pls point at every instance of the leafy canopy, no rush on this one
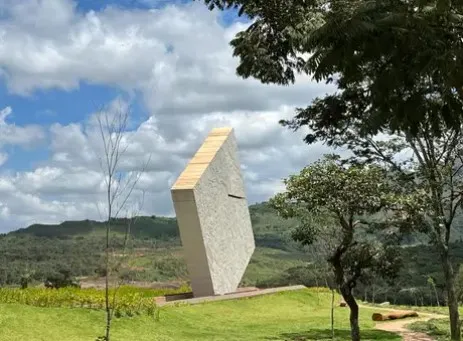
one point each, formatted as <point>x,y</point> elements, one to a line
<point>336,205</point>
<point>399,60</point>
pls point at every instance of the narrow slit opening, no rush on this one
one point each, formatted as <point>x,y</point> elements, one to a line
<point>235,196</point>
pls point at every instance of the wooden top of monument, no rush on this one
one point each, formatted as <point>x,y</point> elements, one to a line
<point>201,160</point>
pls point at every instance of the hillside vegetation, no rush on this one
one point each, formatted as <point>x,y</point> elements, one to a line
<point>156,256</point>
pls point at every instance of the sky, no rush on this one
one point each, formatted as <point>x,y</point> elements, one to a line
<point>169,64</point>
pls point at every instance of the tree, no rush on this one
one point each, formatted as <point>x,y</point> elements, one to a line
<point>119,188</point>
<point>320,250</point>
<point>328,196</point>
<point>396,65</point>
<point>432,283</point>
<point>459,284</point>
<point>60,279</point>
<point>382,48</point>
<point>428,167</point>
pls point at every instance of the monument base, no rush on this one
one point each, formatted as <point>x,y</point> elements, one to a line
<point>188,298</point>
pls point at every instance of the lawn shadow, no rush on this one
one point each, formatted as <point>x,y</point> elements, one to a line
<point>340,334</point>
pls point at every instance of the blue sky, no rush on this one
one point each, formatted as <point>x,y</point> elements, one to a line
<point>171,67</point>
<point>45,107</point>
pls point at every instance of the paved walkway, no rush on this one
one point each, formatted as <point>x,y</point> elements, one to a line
<point>251,293</point>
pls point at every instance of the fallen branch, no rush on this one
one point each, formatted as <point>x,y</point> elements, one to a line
<point>393,315</point>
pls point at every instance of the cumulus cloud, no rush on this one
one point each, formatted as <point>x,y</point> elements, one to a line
<point>24,136</point>
<point>178,58</point>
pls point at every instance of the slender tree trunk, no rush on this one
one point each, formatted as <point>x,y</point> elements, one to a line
<point>433,292</point>
<point>452,299</point>
<point>332,313</point>
<point>107,303</point>
<point>354,312</point>
<point>437,295</point>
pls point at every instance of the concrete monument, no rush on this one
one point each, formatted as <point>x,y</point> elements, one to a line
<point>213,216</point>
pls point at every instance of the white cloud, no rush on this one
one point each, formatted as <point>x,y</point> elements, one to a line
<point>12,135</point>
<point>178,58</point>
<point>3,158</point>
<point>24,136</point>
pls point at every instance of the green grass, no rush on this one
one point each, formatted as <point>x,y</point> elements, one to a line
<point>437,328</point>
<point>443,310</point>
<point>289,316</point>
<point>130,300</point>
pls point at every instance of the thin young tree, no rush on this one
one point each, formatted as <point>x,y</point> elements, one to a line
<point>430,280</point>
<point>120,185</point>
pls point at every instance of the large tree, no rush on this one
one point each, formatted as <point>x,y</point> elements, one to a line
<point>383,47</point>
<point>397,67</point>
<point>333,203</point>
<point>427,167</point>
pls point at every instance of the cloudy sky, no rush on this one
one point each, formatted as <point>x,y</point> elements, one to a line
<point>169,63</point>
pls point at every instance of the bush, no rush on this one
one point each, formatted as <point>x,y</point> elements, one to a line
<point>60,279</point>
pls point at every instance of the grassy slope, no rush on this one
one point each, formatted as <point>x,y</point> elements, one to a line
<point>300,315</point>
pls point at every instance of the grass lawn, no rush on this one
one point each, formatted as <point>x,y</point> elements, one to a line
<point>289,316</point>
<point>443,310</point>
<point>437,328</point>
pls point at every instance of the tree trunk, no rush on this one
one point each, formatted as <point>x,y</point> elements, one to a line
<point>332,313</point>
<point>437,296</point>
<point>452,300</point>
<point>354,312</point>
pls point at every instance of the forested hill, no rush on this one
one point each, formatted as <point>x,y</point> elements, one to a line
<point>155,247</point>
<point>156,254</point>
<point>269,229</point>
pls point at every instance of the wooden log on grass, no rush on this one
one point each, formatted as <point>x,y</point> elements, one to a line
<point>394,315</point>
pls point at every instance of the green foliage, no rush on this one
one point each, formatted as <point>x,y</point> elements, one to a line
<point>61,279</point>
<point>398,62</point>
<point>77,246</point>
<point>131,301</point>
<point>437,328</point>
<point>330,199</point>
<point>277,260</point>
<point>331,202</point>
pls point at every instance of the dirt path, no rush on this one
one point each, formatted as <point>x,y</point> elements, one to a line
<point>400,326</point>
